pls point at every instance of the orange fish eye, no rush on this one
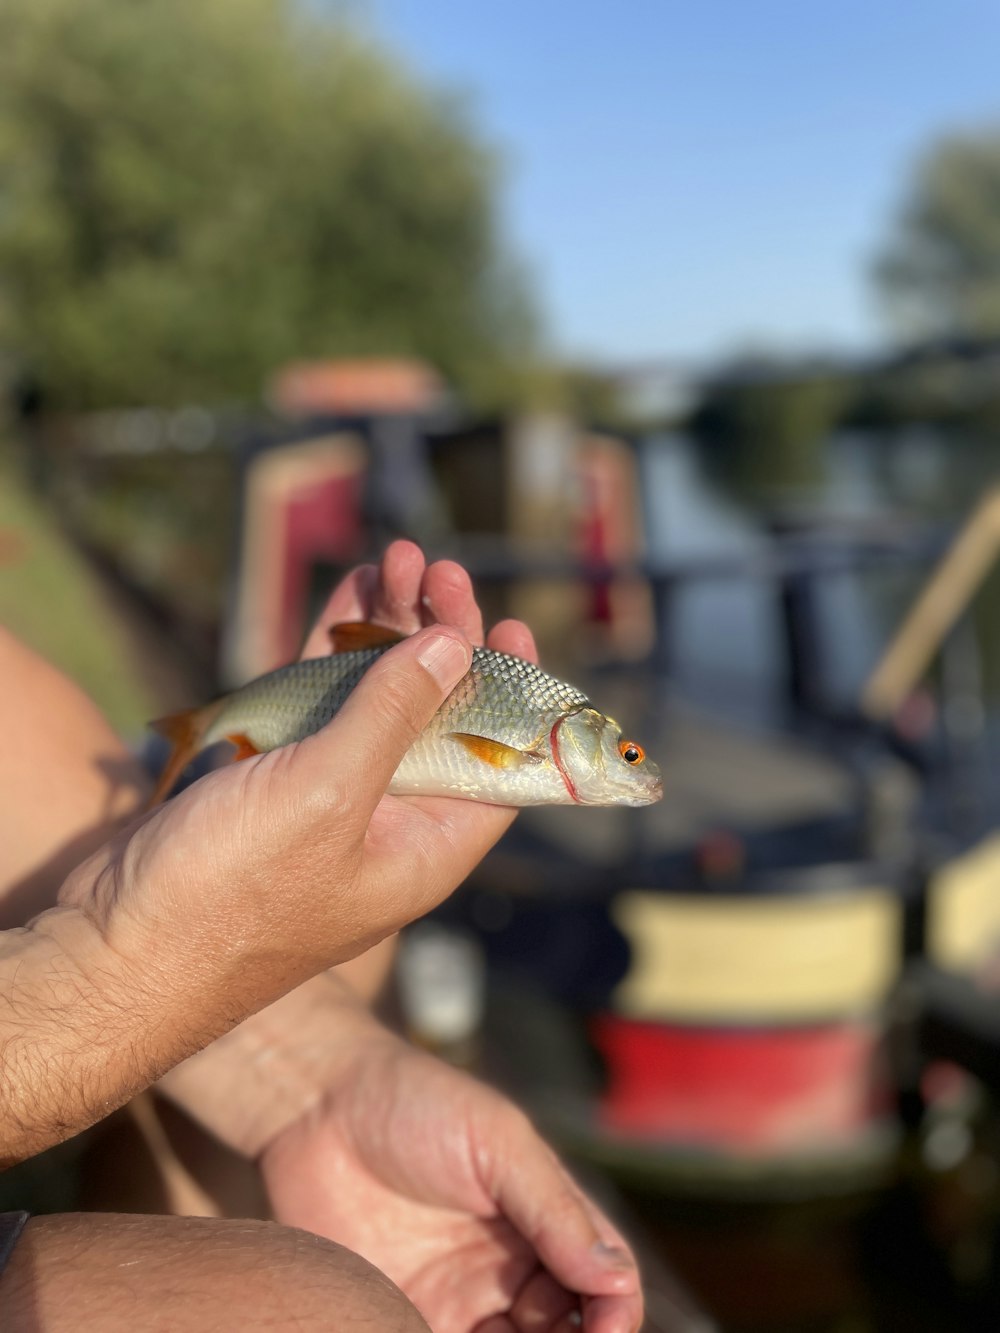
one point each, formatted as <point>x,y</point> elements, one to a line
<point>630,752</point>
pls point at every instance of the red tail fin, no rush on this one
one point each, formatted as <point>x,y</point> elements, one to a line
<point>184,731</point>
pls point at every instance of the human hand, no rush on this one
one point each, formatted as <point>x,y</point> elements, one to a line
<point>404,593</point>
<point>218,1086</point>
<point>446,1187</point>
<point>269,871</point>
<point>266,872</point>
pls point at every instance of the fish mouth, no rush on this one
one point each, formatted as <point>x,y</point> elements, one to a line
<point>637,796</point>
<point>651,790</point>
<point>633,794</point>
<point>649,793</point>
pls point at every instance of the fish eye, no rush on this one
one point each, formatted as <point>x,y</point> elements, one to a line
<point>630,752</point>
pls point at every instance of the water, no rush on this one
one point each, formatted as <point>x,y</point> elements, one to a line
<point>727,639</point>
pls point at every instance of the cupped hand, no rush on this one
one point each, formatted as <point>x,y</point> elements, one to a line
<point>404,593</point>
<point>267,871</point>
<point>446,1187</point>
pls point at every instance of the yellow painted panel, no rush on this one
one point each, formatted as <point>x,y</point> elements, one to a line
<point>742,959</point>
<point>963,909</point>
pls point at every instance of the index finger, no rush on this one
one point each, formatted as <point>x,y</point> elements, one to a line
<point>386,593</point>
<point>447,596</point>
<point>350,600</point>
<point>513,637</point>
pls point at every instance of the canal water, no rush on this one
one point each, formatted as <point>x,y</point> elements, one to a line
<point>701,501</point>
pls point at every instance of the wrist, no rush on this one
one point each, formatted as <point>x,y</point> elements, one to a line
<point>266,1074</point>
<point>78,1040</point>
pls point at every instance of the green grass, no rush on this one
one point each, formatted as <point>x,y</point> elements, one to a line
<point>51,601</point>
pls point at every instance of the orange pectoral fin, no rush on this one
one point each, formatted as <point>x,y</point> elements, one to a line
<point>245,748</point>
<point>495,753</point>
<point>353,635</point>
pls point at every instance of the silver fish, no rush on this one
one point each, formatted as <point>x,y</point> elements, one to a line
<point>508,733</point>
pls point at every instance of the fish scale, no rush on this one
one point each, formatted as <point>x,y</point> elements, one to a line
<point>508,732</point>
<point>510,697</point>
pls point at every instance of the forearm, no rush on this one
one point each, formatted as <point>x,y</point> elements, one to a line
<point>76,1036</point>
<point>85,1024</point>
<point>66,780</point>
<point>270,1070</point>
<point>97,1002</point>
<point>220,903</point>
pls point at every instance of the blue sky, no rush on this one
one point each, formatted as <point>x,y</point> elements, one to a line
<point>690,179</point>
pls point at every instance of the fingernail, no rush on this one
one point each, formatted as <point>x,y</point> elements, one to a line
<point>445,657</point>
<point>613,1256</point>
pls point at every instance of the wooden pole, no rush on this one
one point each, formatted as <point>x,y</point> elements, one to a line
<point>945,596</point>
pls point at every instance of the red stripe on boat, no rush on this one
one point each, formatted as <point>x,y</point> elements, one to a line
<point>750,1091</point>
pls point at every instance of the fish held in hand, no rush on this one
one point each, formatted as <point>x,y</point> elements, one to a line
<point>508,733</point>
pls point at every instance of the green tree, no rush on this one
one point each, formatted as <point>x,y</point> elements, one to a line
<point>193,191</point>
<point>765,428</point>
<point>940,272</point>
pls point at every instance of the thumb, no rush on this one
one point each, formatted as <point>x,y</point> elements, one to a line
<point>360,749</point>
<point>571,1236</point>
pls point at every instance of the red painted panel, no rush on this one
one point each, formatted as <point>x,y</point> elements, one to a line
<point>743,1090</point>
<point>322,521</point>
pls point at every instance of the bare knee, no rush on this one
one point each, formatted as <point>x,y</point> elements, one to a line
<point>113,1273</point>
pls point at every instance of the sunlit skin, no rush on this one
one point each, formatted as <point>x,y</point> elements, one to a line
<point>115,1273</point>
<point>487,1230</point>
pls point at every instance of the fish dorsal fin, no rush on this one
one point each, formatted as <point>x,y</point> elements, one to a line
<point>495,753</point>
<point>351,636</point>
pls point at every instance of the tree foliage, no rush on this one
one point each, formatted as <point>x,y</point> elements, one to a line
<point>766,426</point>
<point>940,272</point>
<point>193,191</point>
